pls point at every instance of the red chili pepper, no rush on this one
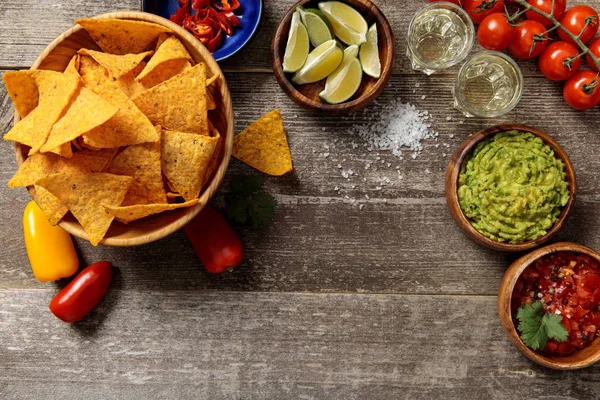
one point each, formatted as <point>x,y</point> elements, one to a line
<point>226,5</point>
<point>83,293</point>
<point>214,43</point>
<point>233,18</point>
<point>214,240</point>
<point>200,4</point>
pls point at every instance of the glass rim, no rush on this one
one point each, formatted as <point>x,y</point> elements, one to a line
<point>466,19</point>
<point>516,97</point>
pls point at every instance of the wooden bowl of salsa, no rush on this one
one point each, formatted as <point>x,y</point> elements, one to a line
<point>462,156</point>
<point>559,284</point>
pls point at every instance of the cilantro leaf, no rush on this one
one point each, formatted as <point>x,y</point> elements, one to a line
<point>247,185</point>
<point>536,326</point>
<point>247,202</point>
<point>554,329</point>
<point>262,208</point>
<point>237,209</point>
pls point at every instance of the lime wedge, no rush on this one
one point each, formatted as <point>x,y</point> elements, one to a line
<point>369,54</point>
<point>321,62</point>
<point>317,26</point>
<point>345,80</point>
<point>296,49</point>
<point>348,25</point>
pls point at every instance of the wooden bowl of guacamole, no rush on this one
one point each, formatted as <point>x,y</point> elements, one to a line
<point>510,187</point>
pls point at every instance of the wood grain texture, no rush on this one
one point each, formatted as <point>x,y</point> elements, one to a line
<point>266,346</point>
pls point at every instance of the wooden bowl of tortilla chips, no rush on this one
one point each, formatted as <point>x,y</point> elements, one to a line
<point>138,145</point>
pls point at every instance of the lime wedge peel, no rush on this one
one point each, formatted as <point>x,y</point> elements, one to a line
<point>369,54</point>
<point>321,62</point>
<point>345,80</point>
<point>319,30</point>
<point>297,47</point>
<point>348,25</point>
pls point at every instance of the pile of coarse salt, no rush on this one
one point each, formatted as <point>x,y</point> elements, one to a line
<point>398,125</point>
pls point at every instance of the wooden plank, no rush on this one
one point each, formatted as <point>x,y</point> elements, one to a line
<point>402,241</point>
<point>221,345</point>
<point>21,41</point>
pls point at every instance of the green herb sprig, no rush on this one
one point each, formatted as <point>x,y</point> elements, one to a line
<point>248,203</point>
<point>536,326</point>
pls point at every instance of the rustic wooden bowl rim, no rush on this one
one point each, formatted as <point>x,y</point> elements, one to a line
<point>453,173</point>
<point>580,359</point>
<point>74,228</point>
<point>348,106</point>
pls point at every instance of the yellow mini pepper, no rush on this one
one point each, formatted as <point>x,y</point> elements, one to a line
<point>49,248</point>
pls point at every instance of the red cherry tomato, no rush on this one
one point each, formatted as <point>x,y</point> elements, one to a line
<point>83,293</point>
<point>546,6</point>
<point>559,61</point>
<point>495,32</point>
<point>457,2</point>
<point>479,9</point>
<point>575,19</point>
<point>595,49</point>
<point>582,91</point>
<point>523,44</point>
<point>214,240</point>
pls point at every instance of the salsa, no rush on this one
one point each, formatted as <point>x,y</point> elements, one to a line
<point>512,187</point>
<point>567,284</point>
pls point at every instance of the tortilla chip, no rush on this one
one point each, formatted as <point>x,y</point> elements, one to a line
<point>73,67</point>
<point>213,164</point>
<point>171,49</point>
<point>128,84</point>
<point>210,100</point>
<point>164,72</point>
<point>23,90</point>
<point>128,126</point>
<point>115,65</point>
<point>126,214</point>
<point>264,146</point>
<point>185,159</point>
<point>52,208</point>
<point>171,195</point>
<point>142,163</point>
<point>87,111</point>
<point>64,150</point>
<point>56,91</point>
<point>42,164</point>
<point>121,36</point>
<point>179,103</point>
<point>85,195</point>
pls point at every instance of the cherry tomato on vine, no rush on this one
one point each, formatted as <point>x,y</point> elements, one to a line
<point>546,6</point>
<point>582,90</point>
<point>559,61</point>
<point>575,20</point>
<point>529,40</point>
<point>479,9</point>
<point>495,32</point>
<point>457,2</point>
<point>595,49</point>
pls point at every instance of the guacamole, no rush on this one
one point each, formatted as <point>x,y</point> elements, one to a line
<point>512,187</point>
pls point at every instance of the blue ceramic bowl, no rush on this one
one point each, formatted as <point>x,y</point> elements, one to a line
<point>249,14</point>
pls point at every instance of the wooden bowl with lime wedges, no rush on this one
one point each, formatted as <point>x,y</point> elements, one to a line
<point>327,67</point>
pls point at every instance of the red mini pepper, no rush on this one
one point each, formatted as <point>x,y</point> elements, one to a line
<point>83,293</point>
<point>214,240</point>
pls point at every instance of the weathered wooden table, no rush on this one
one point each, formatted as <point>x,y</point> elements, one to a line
<point>333,301</point>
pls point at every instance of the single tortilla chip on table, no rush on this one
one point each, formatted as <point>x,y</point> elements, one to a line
<point>143,163</point>
<point>127,214</point>
<point>185,161</point>
<point>86,195</point>
<point>122,36</point>
<point>56,91</point>
<point>116,66</point>
<point>178,104</point>
<point>23,90</point>
<point>128,126</point>
<point>170,59</point>
<point>264,146</point>
<point>87,111</point>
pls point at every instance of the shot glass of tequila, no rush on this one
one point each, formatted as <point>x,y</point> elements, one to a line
<point>440,35</point>
<point>488,85</point>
